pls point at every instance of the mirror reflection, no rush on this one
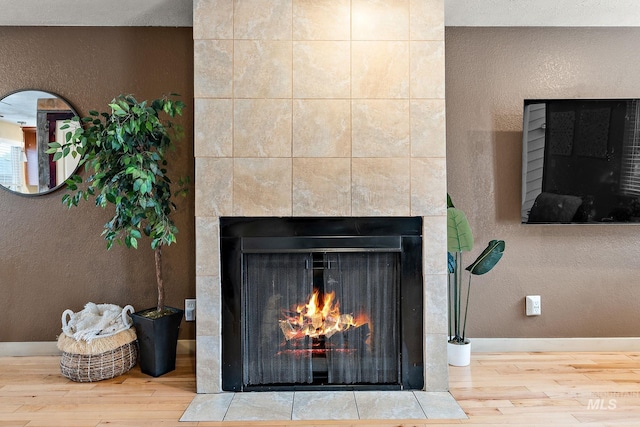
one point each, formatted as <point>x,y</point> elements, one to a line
<point>29,120</point>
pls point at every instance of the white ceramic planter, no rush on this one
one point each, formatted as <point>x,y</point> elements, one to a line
<point>459,354</point>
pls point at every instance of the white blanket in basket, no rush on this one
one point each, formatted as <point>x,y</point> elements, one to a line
<point>96,321</point>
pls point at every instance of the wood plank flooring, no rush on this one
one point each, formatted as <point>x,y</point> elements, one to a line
<point>516,389</point>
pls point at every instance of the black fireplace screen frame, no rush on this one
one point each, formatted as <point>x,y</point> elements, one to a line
<point>240,235</point>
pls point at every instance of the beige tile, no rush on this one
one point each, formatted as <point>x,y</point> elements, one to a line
<point>325,405</point>
<point>209,306</point>
<point>427,69</point>
<point>213,127</point>
<point>313,405</point>
<point>436,378</point>
<point>380,69</point>
<point>380,128</point>
<point>208,368</point>
<point>212,19</point>
<point>214,180</point>
<point>207,407</point>
<point>321,187</point>
<point>262,69</point>
<point>376,405</point>
<point>321,69</point>
<point>380,19</point>
<point>427,20</point>
<point>321,128</point>
<point>434,248</point>
<point>207,246</point>
<point>380,187</point>
<point>439,405</point>
<point>428,128</point>
<point>260,406</point>
<point>262,19</point>
<point>428,186</point>
<point>435,290</point>
<point>262,128</point>
<point>262,187</point>
<point>321,20</point>
<point>213,68</point>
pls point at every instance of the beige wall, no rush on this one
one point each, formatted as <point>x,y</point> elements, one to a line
<point>10,131</point>
<point>325,107</point>
<point>587,276</point>
<point>51,258</point>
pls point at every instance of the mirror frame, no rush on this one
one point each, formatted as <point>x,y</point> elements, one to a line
<point>42,149</point>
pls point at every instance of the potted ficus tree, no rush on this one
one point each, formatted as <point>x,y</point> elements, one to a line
<point>459,240</point>
<point>124,153</point>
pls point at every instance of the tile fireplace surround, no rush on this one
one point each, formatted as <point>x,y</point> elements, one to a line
<point>319,108</point>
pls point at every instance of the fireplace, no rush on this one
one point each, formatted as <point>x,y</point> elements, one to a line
<point>321,303</point>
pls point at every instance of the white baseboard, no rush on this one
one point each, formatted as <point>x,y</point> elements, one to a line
<point>508,345</point>
<point>478,345</point>
<point>49,348</point>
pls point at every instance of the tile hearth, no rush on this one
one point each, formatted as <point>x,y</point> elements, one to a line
<point>323,405</point>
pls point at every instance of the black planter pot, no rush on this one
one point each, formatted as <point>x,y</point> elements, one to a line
<point>158,339</point>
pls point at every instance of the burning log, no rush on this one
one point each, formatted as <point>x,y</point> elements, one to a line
<point>316,319</point>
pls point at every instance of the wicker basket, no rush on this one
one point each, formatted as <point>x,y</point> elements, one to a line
<point>103,356</point>
<point>97,367</point>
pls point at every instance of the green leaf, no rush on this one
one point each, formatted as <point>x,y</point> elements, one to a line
<point>57,156</point>
<point>488,258</point>
<point>459,235</point>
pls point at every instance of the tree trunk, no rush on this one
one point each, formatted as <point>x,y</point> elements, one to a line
<point>160,283</point>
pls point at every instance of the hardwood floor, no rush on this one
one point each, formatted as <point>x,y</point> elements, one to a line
<point>517,389</point>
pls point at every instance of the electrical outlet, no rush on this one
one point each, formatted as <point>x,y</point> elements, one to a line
<point>190,309</point>
<point>533,305</point>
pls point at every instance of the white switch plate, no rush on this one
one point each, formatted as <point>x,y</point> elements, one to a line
<point>533,305</point>
<point>190,309</point>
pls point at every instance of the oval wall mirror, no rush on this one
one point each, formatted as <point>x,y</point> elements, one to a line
<point>29,120</point>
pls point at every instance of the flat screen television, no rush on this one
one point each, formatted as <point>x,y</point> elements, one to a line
<point>581,161</point>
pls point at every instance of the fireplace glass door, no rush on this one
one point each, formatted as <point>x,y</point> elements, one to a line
<point>320,318</point>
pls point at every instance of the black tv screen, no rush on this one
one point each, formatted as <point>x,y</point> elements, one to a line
<point>581,161</point>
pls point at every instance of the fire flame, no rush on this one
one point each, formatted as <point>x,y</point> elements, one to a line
<point>315,318</point>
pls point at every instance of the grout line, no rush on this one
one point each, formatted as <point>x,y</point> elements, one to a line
<point>228,406</point>
<point>419,404</point>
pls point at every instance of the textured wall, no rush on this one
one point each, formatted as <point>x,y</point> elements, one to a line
<point>327,107</point>
<point>52,258</point>
<point>587,276</point>
<point>143,13</point>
